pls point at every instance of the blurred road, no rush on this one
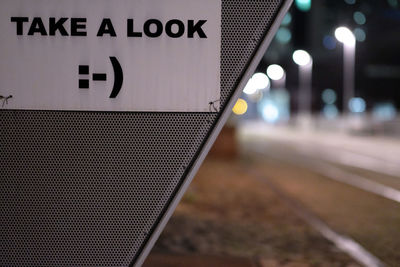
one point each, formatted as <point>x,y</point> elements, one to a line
<point>377,154</point>
<point>350,183</point>
<point>289,198</point>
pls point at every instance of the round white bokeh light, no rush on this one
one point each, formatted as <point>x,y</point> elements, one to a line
<point>301,57</point>
<point>261,81</point>
<point>345,36</point>
<point>275,72</point>
<point>250,87</point>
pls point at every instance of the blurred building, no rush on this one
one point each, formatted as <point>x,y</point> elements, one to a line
<point>311,25</point>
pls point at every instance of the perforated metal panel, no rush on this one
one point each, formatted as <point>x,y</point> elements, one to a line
<point>89,188</point>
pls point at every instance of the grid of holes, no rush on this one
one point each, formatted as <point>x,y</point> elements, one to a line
<point>83,188</point>
<point>241,33</point>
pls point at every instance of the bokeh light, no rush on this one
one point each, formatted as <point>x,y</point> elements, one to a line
<point>329,96</point>
<point>357,105</point>
<point>345,36</point>
<point>250,88</point>
<point>330,111</point>
<point>261,81</point>
<point>270,112</point>
<point>275,72</point>
<point>303,5</point>
<point>360,34</point>
<point>384,111</point>
<point>359,18</point>
<point>287,19</point>
<point>301,57</point>
<point>283,35</point>
<point>240,107</point>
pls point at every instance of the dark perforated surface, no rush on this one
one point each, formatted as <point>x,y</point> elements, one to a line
<point>86,188</point>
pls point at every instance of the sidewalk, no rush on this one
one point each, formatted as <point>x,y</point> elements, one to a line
<point>375,153</point>
<point>380,147</point>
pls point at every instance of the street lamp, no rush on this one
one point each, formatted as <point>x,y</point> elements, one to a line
<point>347,38</point>
<point>259,81</point>
<point>304,61</point>
<point>278,76</point>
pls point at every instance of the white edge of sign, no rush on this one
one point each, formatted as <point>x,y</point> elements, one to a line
<point>214,134</point>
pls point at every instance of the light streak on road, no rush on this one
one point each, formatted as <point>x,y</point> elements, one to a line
<point>351,159</point>
<point>370,154</point>
<point>331,172</point>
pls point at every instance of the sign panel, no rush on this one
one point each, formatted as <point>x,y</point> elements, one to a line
<point>97,188</point>
<point>101,55</point>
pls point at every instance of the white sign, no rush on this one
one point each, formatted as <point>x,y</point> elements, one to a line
<point>103,55</point>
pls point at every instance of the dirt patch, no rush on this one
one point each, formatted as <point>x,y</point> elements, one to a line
<point>227,213</point>
<point>371,220</point>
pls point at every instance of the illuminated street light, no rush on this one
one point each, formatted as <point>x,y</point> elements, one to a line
<point>275,72</point>
<point>278,76</point>
<point>304,61</point>
<point>301,57</point>
<point>250,87</point>
<point>259,81</point>
<point>345,36</point>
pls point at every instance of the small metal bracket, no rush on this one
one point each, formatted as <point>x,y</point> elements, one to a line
<point>212,106</point>
<point>5,99</point>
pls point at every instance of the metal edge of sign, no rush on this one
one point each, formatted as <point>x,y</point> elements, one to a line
<point>253,63</point>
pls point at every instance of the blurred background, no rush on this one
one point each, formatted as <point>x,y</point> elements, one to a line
<point>307,170</point>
